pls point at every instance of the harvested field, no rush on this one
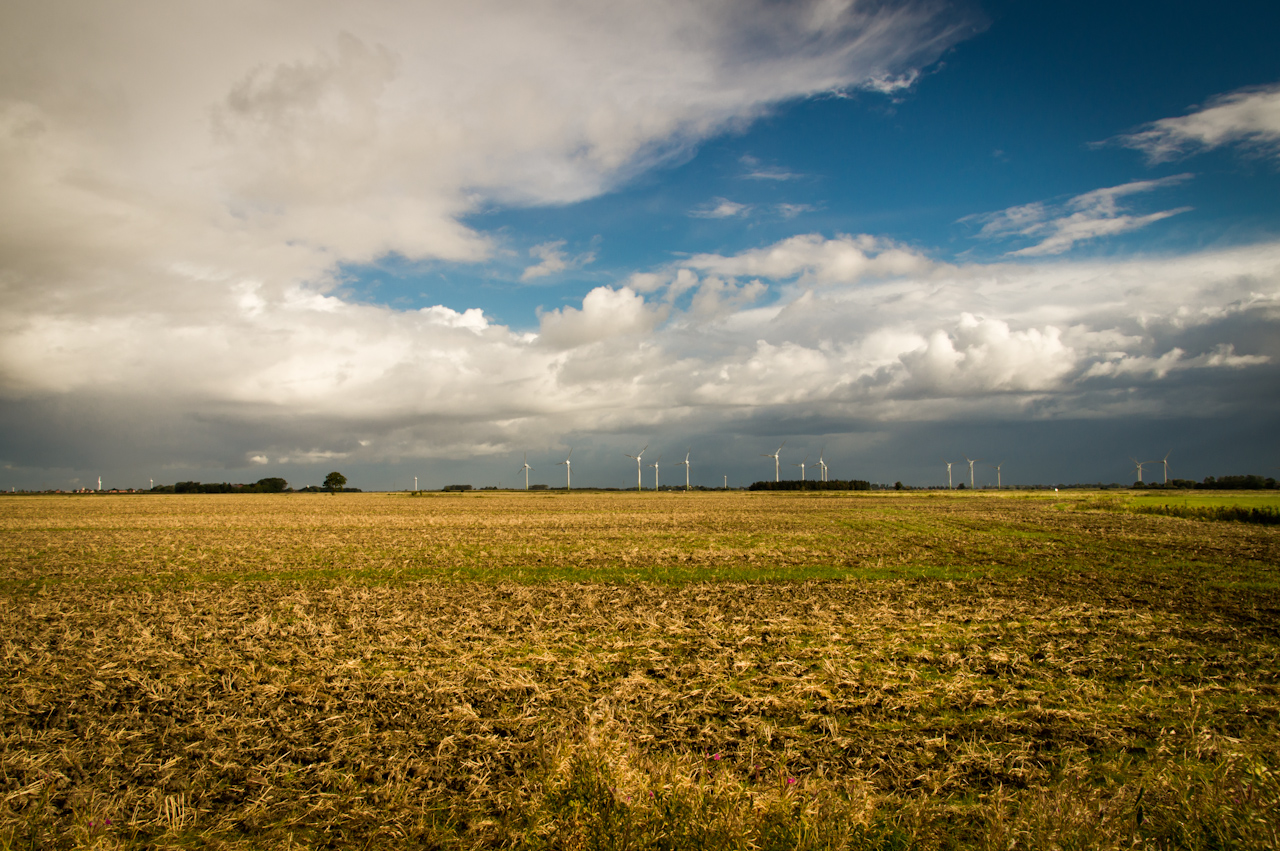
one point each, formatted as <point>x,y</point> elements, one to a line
<point>621,670</point>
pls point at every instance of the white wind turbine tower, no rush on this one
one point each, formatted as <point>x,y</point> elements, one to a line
<point>685,464</point>
<point>776,476</point>
<point>638,456</point>
<point>822,464</point>
<point>568,470</point>
<point>526,469</point>
<point>1165,462</point>
<point>949,485</point>
<point>654,465</point>
<point>1139,465</point>
<point>971,463</point>
<point>997,467</point>
<point>801,466</point>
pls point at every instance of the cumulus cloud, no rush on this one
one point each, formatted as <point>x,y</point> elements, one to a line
<point>813,324</point>
<point>1249,118</point>
<point>985,355</point>
<point>606,314</point>
<point>815,258</point>
<point>1058,227</point>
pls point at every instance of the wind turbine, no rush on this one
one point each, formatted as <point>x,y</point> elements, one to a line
<point>638,456</point>
<point>1139,465</point>
<point>1165,462</point>
<point>801,466</point>
<point>568,470</point>
<point>654,465</point>
<point>971,463</point>
<point>685,464</point>
<point>997,467</point>
<point>415,484</point>
<point>949,486</point>
<point>526,469</point>
<point>823,464</point>
<point>774,456</point>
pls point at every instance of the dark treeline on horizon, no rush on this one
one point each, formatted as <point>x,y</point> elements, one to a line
<point>801,485</point>
<point>1224,483</point>
<point>268,485</point>
<point>279,485</point>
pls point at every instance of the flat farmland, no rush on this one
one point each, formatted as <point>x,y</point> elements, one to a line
<point>657,670</point>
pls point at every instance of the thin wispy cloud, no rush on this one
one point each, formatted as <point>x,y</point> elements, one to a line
<point>891,84</point>
<point>1059,227</point>
<point>720,208</point>
<point>553,260</point>
<point>756,170</point>
<point>790,211</point>
<point>1249,118</point>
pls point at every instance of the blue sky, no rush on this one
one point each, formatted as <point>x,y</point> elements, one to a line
<point>426,239</point>
<point>1020,112</point>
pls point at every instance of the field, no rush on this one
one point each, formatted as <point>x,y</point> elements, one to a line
<point>772,670</point>
<point>1244,499</point>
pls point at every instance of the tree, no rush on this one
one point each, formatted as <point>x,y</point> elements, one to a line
<point>335,482</point>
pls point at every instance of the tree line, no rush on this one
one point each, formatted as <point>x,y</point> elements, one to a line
<point>1221,483</point>
<point>334,483</point>
<point>798,485</point>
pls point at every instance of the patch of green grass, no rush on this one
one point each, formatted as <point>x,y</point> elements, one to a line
<point>1244,499</point>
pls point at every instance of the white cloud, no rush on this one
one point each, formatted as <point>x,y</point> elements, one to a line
<point>889,84</point>
<point>1119,364</point>
<point>1059,227</point>
<point>716,297</point>
<point>274,142</point>
<point>606,314</point>
<point>844,259</point>
<point>554,260</point>
<point>720,208</point>
<point>1249,117</point>
<point>984,355</point>
<point>858,327</point>
<point>790,211</point>
<point>755,170</point>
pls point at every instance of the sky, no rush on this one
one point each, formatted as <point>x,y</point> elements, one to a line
<point>434,239</point>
